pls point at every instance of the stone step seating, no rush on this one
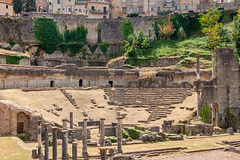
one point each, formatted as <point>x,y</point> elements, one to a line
<point>148,96</point>
<point>159,112</point>
<point>69,97</point>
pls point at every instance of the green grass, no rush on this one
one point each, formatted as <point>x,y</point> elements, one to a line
<point>188,48</point>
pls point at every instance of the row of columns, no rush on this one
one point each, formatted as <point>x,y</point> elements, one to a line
<point>74,144</point>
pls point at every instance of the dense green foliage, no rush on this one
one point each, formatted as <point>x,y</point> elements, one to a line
<point>13,59</point>
<point>140,128</point>
<point>230,119</point>
<point>17,5</point>
<point>205,114</point>
<point>99,30</point>
<point>212,28</point>
<point>136,45</point>
<point>132,15</point>
<point>189,23</point>
<point>236,33</point>
<point>47,34</point>
<point>133,133</point>
<point>78,34</point>
<point>127,28</point>
<point>104,47</point>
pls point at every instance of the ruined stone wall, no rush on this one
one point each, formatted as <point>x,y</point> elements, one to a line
<point>12,114</point>
<point>223,90</point>
<point>22,76</point>
<point>21,29</point>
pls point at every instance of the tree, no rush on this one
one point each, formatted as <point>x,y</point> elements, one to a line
<point>167,29</point>
<point>17,5</point>
<point>212,28</point>
<point>47,34</point>
<point>29,6</point>
<point>205,114</point>
<point>236,32</point>
<point>127,28</point>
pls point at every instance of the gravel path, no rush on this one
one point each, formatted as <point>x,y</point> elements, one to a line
<point>214,155</point>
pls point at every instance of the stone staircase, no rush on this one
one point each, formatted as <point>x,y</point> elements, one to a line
<point>69,97</point>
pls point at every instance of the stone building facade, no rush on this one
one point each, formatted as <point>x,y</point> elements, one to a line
<point>6,8</point>
<point>152,7</point>
<point>16,119</point>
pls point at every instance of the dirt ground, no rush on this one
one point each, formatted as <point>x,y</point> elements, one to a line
<point>45,100</point>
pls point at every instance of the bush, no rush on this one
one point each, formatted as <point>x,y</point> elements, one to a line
<point>125,135</point>
<point>104,47</point>
<point>113,139</point>
<point>14,59</point>
<point>134,134</point>
<point>132,15</point>
<point>127,28</point>
<point>205,114</point>
<point>78,34</point>
<point>47,34</point>
<point>140,128</point>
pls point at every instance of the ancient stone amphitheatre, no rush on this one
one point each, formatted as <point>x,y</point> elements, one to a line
<point>117,92</point>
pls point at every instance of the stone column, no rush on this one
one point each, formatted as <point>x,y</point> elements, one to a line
<point>102,132</point>
<point>46,157</point>
<point>71,120</point>
<point>198,67</point>
<point>74,150</point>
<point>119,135</point>
<point>64,123</point>
<point>64,145</point>
<point>84,139</point>
<point>213,114</point>
<point>198,103</point>
<point>39,140</point>
<point>54,147</point>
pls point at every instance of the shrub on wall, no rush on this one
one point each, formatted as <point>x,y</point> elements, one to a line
<point>104,47</point>
<point>47,34</point>
<point>99,30</point>
<point>132,15</point>
<point>78,34</point>
<point>14,59</point>
<point>127,28</point>
<point>205,114</point>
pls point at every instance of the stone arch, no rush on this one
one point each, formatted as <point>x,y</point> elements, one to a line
<point>80,83</point>
<point>23,121</point>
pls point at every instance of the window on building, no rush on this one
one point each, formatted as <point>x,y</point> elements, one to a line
<point>135,0</point>
<point>7,6</point>
<point>124,1</point>
<point>176,7</point>
<point>198,6</point>
<point>104,9</point>
<point>124,10</point>
<point>69,0</point>
<point>151,0</point>
<point>50,10</point>
<point>58,1</point>
<point>186,6</point>
<point>40,1</point>
<point>140,10</point>
<point>158,8</point>
<point>50,3</point>
<point>169,0</point>
<point>93,8</point>
<point>80,10</point>
<point>58,9</point>
<point>152,8</point>
<point>69,10</point>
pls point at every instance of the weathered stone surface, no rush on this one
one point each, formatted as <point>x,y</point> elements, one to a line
<point>230,130</point>
<point>11,112</point>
